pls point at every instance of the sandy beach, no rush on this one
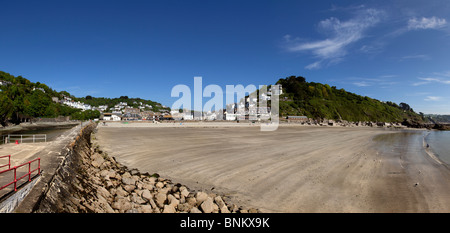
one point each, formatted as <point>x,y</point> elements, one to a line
<point>292,169</point>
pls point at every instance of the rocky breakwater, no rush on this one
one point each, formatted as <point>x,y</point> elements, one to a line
<point>91,181</point>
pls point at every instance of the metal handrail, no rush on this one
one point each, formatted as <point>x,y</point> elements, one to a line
<point>25,137</point>
<point>27,174</point>
<point>9,161</point>
<point>27,134</point>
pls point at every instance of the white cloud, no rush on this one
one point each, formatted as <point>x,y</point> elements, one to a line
<point>431,80</point>
<point>408,23</point>
<point>417,93</point>
<point>446,74</point>
<point>314,65</point>
<point>426,23</point>
<point>383,81</point>
<point>423,57</point>
<point>433,98</point>
<point>389,76</point>
<point>340,34</point>
<point>419,83</point>
<point>362,84</point>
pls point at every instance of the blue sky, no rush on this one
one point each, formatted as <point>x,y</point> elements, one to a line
<point>389,50</point>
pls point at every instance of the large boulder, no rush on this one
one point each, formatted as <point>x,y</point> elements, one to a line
<point>201,197</point>
<point>160,199</point>
<point>208,206</point>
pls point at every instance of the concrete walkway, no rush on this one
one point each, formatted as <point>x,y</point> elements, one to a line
<point>51,155</point>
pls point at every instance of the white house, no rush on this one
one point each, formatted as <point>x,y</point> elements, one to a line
<point>39,88</point>
<point>103,107</point>
<point>111,117</point>
<point>210,117</point>
<point>188,117</point>
<point>230,117</point>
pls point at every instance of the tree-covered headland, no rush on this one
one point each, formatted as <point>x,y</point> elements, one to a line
<point>319,101</point>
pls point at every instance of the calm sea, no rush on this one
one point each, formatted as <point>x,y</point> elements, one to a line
<point>439,142</point>
<point>51,133</point>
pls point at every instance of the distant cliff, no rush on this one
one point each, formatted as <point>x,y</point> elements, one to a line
<point>440,119</point>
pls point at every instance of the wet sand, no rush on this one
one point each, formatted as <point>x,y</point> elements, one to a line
<point>292,169</point>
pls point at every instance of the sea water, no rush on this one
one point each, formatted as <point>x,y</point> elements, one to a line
<point>439,142</point>
<point>51,133</point>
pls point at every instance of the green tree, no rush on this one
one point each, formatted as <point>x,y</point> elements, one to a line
<point>318,100</point>
<point>405,106</point>
<point>6,108</point>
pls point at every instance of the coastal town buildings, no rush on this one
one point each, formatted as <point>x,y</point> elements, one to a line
<point>149,115</point>
<point>130,113</point>
<point>69,102</point>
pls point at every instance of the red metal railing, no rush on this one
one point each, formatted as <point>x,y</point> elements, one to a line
<point>9,161</point>
<point>38,169</point>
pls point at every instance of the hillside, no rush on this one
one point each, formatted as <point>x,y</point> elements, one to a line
<point>147,105</point>
<point>316,100</point>
<point>22,100</point>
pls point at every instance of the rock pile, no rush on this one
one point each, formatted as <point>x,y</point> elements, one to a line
<point>120,190</point>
